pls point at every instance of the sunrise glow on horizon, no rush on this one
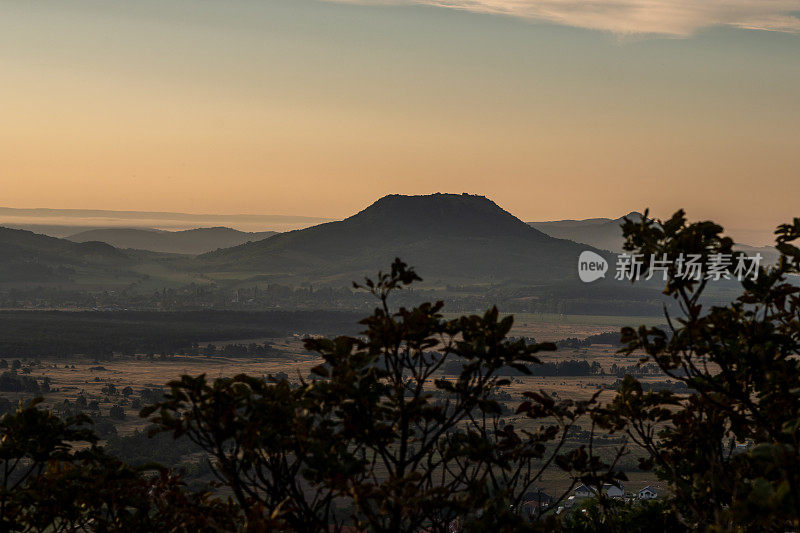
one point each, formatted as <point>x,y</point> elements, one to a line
<point>317,108</point>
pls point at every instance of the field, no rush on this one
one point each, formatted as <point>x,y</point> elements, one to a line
<point>105,381</point>
<point>553,326</point>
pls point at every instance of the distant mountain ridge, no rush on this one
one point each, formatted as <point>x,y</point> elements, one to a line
<point>604,233</point>
<point>194,241</point>
<point>445,236</point>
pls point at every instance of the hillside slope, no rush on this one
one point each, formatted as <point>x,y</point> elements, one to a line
<point>194,241</point>
<point>28,256</point>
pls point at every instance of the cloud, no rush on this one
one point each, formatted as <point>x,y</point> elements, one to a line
<point>678,18</point>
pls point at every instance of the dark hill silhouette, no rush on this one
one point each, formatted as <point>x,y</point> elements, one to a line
<point>445,236</point>
<point>28,256</point>
<point>194,241</point>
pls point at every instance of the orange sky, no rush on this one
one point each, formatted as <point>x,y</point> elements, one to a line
<point>318,108</point>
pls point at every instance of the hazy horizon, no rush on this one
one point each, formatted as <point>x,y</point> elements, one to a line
<point>51,218</point>
<point>61,222</point>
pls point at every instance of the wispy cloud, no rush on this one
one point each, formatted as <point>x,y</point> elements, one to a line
<point>630,17</point>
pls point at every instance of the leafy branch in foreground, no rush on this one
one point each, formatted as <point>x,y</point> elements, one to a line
<point>729,450</point>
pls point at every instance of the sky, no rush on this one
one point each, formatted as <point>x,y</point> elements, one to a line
<point>554,109</point>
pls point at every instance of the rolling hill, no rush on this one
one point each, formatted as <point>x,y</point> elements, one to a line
<point>29,257</point>
<point>194,241</point>
<point>445,236</point>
